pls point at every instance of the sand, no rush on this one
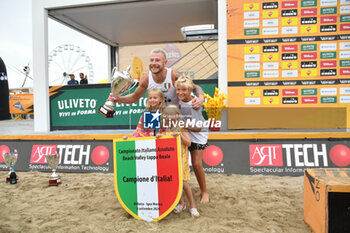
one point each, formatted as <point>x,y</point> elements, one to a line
<point>88,203</point>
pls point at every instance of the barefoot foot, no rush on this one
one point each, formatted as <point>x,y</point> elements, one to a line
<point>205,198</point>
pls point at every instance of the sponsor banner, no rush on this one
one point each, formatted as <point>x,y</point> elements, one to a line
<point>251,101</point>
<point>271,100</point>
<point>270,23</point>
<point>287,92</point>
<point>345,18</point>
<point>252,15</point>
<point>280,157</point>
<point>252,74</point>
<point>329,11</point>
<point>75,107</point>
<point>309,100</point>
<point>21,104</point>
<point>308,3</point>
<point>328,100</point>
<point>309,12</point>
<point>251,23</point>
<point>289,73</point>
<point>309,91</point>
<point>344,99</point>
<point>328,19</point>
<point>75,156</point>
<point>289,30</point>
<point>290,4</point>
<point>290,65</point>
<point>289,48</point>
<point>328,55</point>
<point>328,91</point>
<point>252,93</point>
<point>252,57</point>
<point>292,21</point>
<point>290,100</point>
<point>344,90</point>
<point>344,63</point>
<point>308,47</point>
<point>270,31</point>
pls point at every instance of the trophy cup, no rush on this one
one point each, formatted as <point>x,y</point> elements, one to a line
<point>121,82</point>
<point>10,161</point>
<point>52,161</point>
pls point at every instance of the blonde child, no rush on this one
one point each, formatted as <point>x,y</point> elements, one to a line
<point>171,118</point>
<point>199,136</point>
<point>155,102</point>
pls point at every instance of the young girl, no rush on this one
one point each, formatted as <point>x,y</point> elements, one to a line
<point>155,102</point>
<point>199,136</point>
<point>171,117</point>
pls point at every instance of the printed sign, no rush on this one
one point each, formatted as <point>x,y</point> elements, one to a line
<point>148,176</point>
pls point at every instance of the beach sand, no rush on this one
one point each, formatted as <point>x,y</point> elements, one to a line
<point>88,203</point>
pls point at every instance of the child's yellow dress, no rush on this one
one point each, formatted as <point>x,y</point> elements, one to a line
<point>184,156</point>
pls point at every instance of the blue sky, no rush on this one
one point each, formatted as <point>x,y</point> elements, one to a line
<point>16,42</point>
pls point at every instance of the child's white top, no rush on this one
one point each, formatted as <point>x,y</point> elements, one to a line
<point>188,113</point>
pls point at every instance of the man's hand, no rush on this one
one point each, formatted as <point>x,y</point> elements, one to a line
<point>113,98</point>
<point>197,103</point>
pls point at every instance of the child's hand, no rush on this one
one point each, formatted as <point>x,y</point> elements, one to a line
<point>159,135</point>
<point>125,137</point>
<point>175,134</point>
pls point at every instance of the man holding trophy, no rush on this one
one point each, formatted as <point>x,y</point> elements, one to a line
<point>158,77</point>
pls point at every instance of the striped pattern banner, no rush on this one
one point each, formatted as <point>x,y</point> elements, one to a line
<point>148,176</point>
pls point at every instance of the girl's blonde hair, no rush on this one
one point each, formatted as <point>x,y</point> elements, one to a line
<point>160,94</point>
<point>184,81</point>
<point>172,110</point>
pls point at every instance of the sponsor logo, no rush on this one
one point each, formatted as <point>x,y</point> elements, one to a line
<point>309,100</point>
<point>309,20</point>
<point>270,22</point>
<point>289,48</point>
<point>252,15</point>
<point>308,3</point>
<point>287,92</point>
<point>266,155</point>
<point>290,100</point>
<point>309,12</point>
<point>309,64</point>
<point>251,7</point>
<point>289,73</point>
<point>270,31</point>
<point>251,23</point>
<point>289,56</point>
<point>151,120</point>
<point>252,74</point>
<point>271,100</point>
<point>69,154</point>
<point>328,46</point>
<point>329,11</point>
<point>345,27</point>
<point>308,47</point>
<point>251,49</point>
<point>308,72</point>
<point>328,55</point>
<point>289,65</point>
<point>270,65</point>
<point>344,18</point>
<point>344,63</point>
<point>270,57</point>
<point>344,54</point>
<point>252,57</point>
<point>344,9</point>
<point>270,74</point>
<point>289,30</point>
<point>271,92</point>
<point>344,99</point>
<point>345,71</point>
<point>309,56</point>
<point>311,91</point>
<point>270,5</point>
<point>328,72</point>
<point>290,21</point>
<point>344,90</point>
<point>290,4</point>
<point>252,66</point>
<point>270,14</point>
<point>289,13</point>
<point>252,93</point>
<point>344,2</point>
<point>270,49</point>
<point>328,2</point>
<point>308,29</point>
<point>251,32</point>
<point>328,28</point>
<point>344,45</point>
<point>19,106</point>
<point>328,19</point>
<point>328,100</point>
<point>325,64</point>
<point>295,155</point>
<point>251,101</point>
<point>328,91</point>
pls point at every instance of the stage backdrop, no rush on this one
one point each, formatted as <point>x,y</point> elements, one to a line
<point>288,63</point>
<point>75,107</point>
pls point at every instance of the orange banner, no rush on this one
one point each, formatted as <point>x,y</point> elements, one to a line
<point>21,104</point>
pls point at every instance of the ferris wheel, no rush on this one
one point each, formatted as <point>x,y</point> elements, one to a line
<point>68,59</point>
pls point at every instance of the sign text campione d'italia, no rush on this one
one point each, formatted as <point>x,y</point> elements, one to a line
<point>148,176</point>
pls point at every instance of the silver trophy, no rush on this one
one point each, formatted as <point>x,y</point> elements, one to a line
<point>10,161</point>
<point>121,82</point>
<point>52,161</point>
